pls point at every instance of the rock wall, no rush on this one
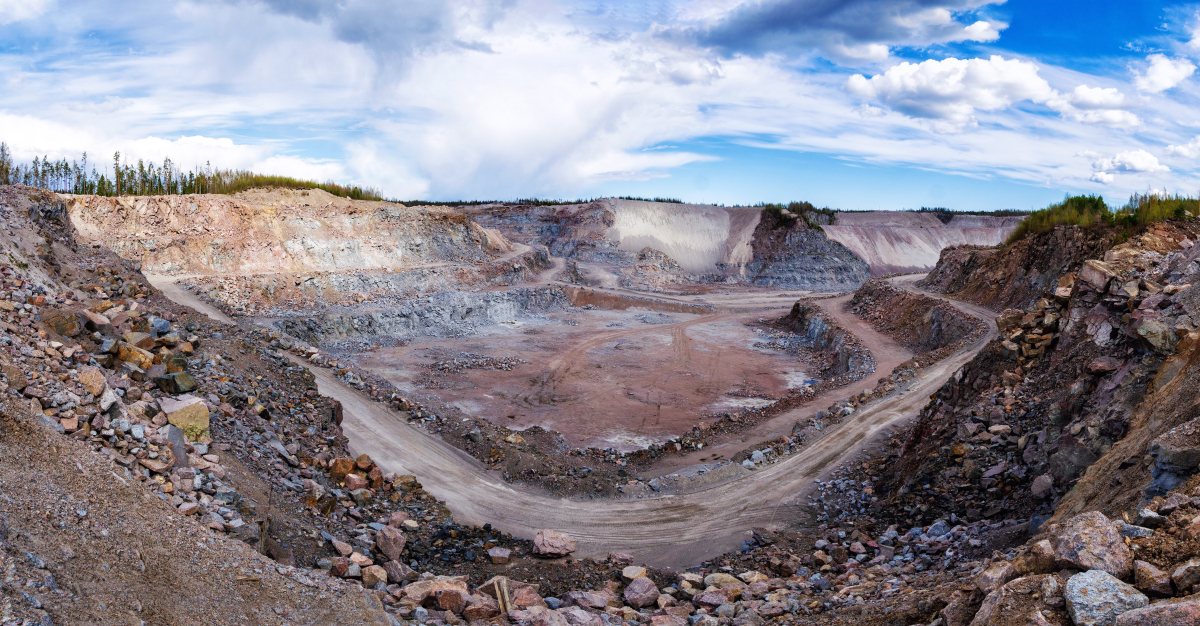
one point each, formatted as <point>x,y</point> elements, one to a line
<point>437,315</point>
<point>1019,273</point>
<point>907,242</point>
<point>261,231</point>
<point>917,322</point>
<point>823,335</point>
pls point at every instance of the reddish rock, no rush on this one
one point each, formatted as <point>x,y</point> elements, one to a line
<point>710,599</point>
<point>339,468</point>
<point>641,593</point>
<point>340,566</point>
<point>375,478</point>
<point>1151,580</point>
<point>667,620</point>
<point>354,481</point>
<point>499,556</point>
<point>1186,613</point>
<point>364,462</point>
<point>1091,542</point>
<point>397,518</point>
<point>480,607</point>
<point>342,547</point>
<point>398,572</point>
<point>1186,574</point>
<point>995,576</point>
<point>390,542</point>
<point>373,575</point>
<point>525,597</point>
<point>553,543</point>
<point>450,600</point>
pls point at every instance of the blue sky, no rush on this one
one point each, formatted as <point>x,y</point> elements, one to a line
<point>856,104</point>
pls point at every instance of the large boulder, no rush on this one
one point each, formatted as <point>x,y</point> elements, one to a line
<point>641,593</point>
<point>1091,542</point>
<point>189,414</point>
<point>995,576</point>
<point>390,542</point>
<point>553,544</point>
<point>1096,598</point>
<point>1186,613</point>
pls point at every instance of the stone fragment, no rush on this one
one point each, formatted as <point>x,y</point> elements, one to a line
<point>92,380</point>
<point>720,579</point>
<point>499,556</point>
<point>354,481</point>
<point>1091,542</point>
<point>390,542</point>
<point>641,593</point>
<point>373,575</point>
<point>552,544</point>
<point>995,576</point>
<point>1096,598</point>
<point>342,547</point>
<point>633,571</point>
<point>1186,574</point>
<point>188,413</point>
<point>1150,579</point>
<point>1185,613</point>
<point>135,355</point>
<point>1096,274</point>
<point>398,572</point>
<point>176,383</point>
<point>340,468</point>
<point>1043,486</point>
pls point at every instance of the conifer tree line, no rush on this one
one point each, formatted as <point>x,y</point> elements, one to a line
<point>149,179</point>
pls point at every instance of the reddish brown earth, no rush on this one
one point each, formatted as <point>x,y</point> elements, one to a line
<point>611,380</point>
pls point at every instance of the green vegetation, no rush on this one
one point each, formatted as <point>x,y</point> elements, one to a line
<point>1141,211</point>
<point>149,179</point>
<point>799,210</point>
<point>945,215</point>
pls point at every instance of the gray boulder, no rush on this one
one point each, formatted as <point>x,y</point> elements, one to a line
<point>1097,598</point>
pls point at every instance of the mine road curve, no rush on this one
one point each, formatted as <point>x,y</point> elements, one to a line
<point>666,530</point>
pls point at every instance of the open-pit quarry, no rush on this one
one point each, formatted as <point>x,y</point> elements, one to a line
<point>301,407</point>
<point>646,361</point>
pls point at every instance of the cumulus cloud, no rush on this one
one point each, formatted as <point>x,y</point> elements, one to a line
<point>1130,161</point>
<point>1188,150</point>
<point>1163,73</point>
<point>1096,105</point>
<point>17,10</point>
<point>949,92</point>
<point>843,30</point>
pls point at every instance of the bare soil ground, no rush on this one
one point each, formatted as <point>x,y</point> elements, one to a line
<point>604,379</point>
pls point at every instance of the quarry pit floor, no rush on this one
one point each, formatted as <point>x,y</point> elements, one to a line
<point>601,378</point>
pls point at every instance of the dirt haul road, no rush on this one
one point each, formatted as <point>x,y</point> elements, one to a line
<point>669,530</point>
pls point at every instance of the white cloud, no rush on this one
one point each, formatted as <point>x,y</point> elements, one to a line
<point>17,10</point>
<point>1163,73</point>
<point>1085,97</point>
<point>1188,150</point>
<point>950,91</point>
<point>1130,161</point>
<point>1095,105</point>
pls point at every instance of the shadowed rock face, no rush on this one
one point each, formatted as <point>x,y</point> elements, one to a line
<point>898,242</point>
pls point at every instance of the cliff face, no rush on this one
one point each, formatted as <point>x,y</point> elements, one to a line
<point>1063,412</point>
<point>263,231</point>
<point>908,242</point>
<point>1018,273</point>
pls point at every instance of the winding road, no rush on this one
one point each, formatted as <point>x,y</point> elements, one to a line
<point>674,530</point>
